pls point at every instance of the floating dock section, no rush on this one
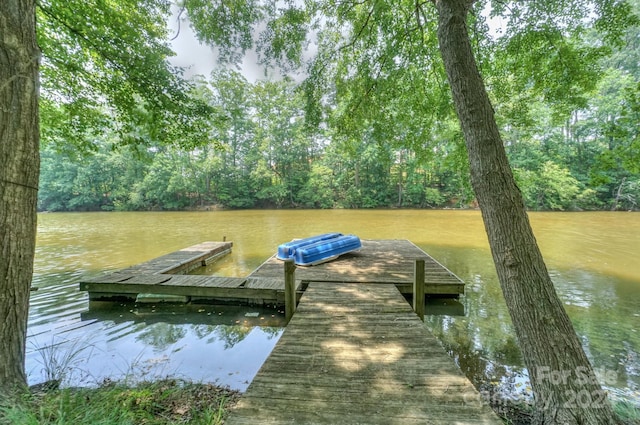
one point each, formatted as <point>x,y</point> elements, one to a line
<point>377,262</point>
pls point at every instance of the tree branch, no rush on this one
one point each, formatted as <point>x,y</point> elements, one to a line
<point>362,28</point>
<point>178,21</point>
<point>81,36</point>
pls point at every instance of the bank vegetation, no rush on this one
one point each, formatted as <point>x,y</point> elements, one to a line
<point>571,146</point>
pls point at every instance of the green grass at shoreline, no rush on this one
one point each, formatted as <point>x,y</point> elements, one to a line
<point>173,402</point>
<point>164,402</point>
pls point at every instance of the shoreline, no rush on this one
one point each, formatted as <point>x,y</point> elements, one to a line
<point>173,401</point>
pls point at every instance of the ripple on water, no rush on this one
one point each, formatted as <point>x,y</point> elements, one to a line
<point>592,257</point>
<point>66,339</point>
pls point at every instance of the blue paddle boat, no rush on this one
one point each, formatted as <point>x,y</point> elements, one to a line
<point>318,249</point>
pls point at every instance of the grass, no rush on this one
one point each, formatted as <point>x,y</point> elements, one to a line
<point>628,412</point>
<point>58,365</point>
<point>173,402</point>
<point>157,402</point>
<point>164,402</point>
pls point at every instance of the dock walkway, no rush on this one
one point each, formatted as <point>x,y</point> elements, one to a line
<point>358,354</point>
<point>183,261</point>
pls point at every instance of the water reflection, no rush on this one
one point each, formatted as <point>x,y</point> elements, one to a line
<point>444,307</point>
<point>603,310</point>
<point>89,342</point>
<point>592,258</point>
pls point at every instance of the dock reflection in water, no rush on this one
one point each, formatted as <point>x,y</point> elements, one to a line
<point>114,341</point>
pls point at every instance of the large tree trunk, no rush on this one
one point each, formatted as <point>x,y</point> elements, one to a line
<point>19,171</point>
<point>564,384</point>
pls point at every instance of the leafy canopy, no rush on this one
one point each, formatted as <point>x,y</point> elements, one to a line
<point>376,63</point>
<point>105,68</point>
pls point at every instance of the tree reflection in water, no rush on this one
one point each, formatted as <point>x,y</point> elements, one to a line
<point>161,335</point>
<point>483,343</point>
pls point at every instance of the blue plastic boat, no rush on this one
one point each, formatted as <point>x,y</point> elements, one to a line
<point>287,250</point>
<point>326,250</point>
<point>318,249</point>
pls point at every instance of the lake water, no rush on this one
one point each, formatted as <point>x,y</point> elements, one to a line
<point>593,259</point>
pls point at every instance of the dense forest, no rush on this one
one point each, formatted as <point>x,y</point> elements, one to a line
<point>259,148</point>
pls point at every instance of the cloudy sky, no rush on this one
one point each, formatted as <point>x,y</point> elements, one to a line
<point>201,59</point>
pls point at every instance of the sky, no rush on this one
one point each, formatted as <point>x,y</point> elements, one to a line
<point>201,59</point>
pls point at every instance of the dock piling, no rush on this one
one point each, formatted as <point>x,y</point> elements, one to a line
<point>418,287</point>
<point>289,288</point>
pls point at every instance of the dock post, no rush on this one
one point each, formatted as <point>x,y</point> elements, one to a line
<point>418,287</point>
<point>289,289</point>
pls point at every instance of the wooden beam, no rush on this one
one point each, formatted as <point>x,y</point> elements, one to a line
<point>289,288</point>
<point>418,287</point>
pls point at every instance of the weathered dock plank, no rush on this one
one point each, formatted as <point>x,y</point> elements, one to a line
<point>184,260</point>
<point>378,261</point>
<point>165,275</point>
<point>357,354</point>
<point>117,282</point>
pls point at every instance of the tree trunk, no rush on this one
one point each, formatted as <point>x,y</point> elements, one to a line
<point>19,171</point>
<point>565,386</point>
<point>616,200</point>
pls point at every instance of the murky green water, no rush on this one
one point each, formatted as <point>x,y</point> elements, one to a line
<point>593,259</point>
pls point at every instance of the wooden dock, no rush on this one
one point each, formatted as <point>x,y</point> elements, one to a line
<point>354,351</point>
<point>378,262</point>
<point>358,354</point>
<point>184,260</point>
